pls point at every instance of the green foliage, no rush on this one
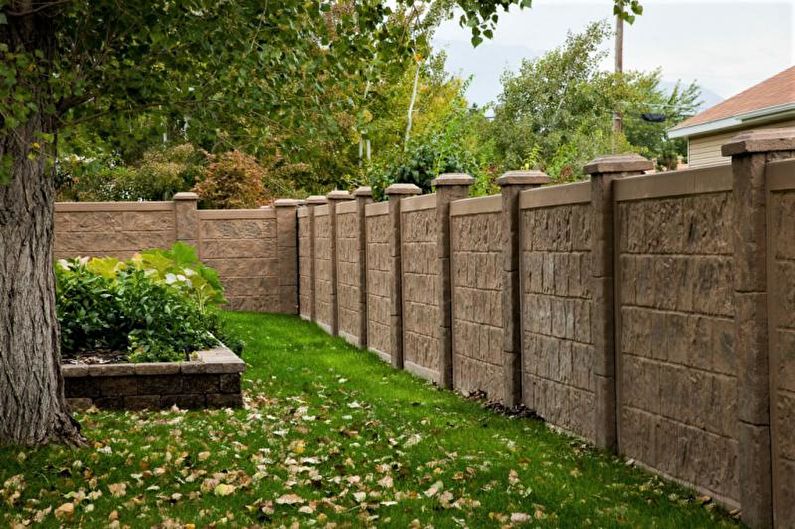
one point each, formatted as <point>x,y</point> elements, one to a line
<point>180,268</point>
<point>234,180</point>
<point>556,112</point>
<point>159,306</point>
<point>162,172</point>
<point>446,135</point>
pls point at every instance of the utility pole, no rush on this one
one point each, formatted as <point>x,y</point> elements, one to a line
<point>618,120</point>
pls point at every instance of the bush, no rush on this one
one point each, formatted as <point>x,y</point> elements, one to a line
<point>233,181</point>
<point>159,306</point>
<point>161,173</point>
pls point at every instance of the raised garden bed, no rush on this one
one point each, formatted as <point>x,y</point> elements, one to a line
<point>212,380</point>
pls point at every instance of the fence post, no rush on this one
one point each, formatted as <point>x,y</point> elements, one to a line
<point>311,203</point>
<point>750,152</point>
<point>449,187</point>
<point>186,218</point>
<point>364,196</point>
<point>511,184</point>
<point>603,171</point>
<point>287,253</point>
<point>396,192</point>
<point>333,197</point>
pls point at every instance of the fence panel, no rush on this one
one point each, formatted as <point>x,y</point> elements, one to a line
<point>476,263</point>
<point>677,375</point>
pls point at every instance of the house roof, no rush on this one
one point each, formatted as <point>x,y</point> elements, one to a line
<point>770,97</point>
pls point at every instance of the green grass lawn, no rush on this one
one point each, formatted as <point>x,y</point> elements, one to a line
<point>332,437</point>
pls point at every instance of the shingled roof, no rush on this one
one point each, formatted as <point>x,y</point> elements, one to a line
<point>773,95</point>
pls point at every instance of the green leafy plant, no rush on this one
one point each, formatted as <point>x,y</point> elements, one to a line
<point>234,180</point>
<point>161,305</point>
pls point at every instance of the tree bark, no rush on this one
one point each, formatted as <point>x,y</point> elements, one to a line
<point>32,405</point>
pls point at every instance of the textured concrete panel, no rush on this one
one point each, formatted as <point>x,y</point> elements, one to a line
<point>323,270</point>
<point>304,267</point>
<point>421,291</point>
<point>677,368</point>
<point>244,251</point>
<point>557,350</point>
<point>782,360</point>
<point>348,275</point>
<point>477,303</point>
<point>379,231</point>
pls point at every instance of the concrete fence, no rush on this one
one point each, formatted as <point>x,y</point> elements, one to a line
<point>631,310</point>
<point>254,250</point>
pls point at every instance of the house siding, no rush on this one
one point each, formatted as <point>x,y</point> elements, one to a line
<point>705,150</point>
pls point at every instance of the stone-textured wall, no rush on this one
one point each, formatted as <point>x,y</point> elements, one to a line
<point>557,374</point>
<point>241,246</point>
<point>348,273</point>
<point>304,265</point>
<point>248,248</point>
<point>419,232</point>
<point>117,229</point>
<point>782,365</point>
<point>323,267</point>
<point>379,231</point>
<point>677,372</point>
<point>211,381</point>
<point>476,249</point>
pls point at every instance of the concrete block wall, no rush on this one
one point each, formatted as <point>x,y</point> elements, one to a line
<point>781,253</point>
<point>254,251</point>
<point>120,229</point>
<point>650,314</point>
<point>379,279</point>
<point>557,348</point>
<point>241,246</point>
<point>322,257</point>
<point>676,357</point>
<point>304,264</point>
<point>477,278</point>
<point>420,280</point>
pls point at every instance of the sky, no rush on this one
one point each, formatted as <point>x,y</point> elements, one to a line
<point>726,46</point>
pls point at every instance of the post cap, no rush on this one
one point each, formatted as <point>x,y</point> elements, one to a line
<point>453,179</point>
<point>315,200</point>
<point>764,140</point>
<point>363,191</point>
<point>618,163</point>
<point>403,189</point>
<point>286,203</point>
<point>339,194</point>
<point>524,178</point>
<point>186,195</point>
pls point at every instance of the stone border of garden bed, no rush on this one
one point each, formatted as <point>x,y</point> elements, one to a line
<point>210,381</point>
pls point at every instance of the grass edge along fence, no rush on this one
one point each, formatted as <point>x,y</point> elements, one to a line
<point>649,314</point>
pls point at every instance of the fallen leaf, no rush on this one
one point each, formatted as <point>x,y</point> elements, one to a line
<point>224,490</point>
<point>118,489</point>
<point>289,499</point>
<point>65,511</point>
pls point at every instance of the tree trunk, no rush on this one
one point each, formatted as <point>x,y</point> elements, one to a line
<point>32,405</point>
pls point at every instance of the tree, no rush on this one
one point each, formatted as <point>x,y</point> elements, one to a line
<point>555,113</point>
<point>70,61</point>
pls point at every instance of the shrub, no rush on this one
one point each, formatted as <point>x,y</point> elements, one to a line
<point>161,173</point>
<point>161,305</point>
<point>233,181</point>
